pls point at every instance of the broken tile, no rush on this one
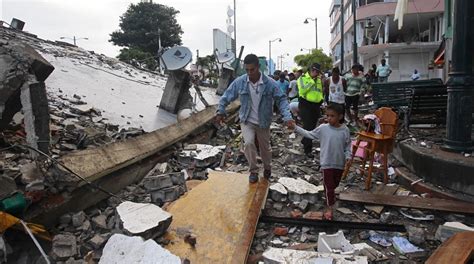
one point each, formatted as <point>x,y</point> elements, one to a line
<point>64,246</point>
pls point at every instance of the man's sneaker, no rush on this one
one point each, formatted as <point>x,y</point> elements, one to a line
<point>253,178</point>
<point>267,174</point>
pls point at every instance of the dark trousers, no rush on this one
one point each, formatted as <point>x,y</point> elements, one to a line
<point>331,179</point>
<point>310,113</point>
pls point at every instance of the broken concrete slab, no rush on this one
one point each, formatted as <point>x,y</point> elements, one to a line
<point>300,189</point>
<point>64,246</point>
<point>278,192</point>
<point>334,243</point>
<point>30,173</point>
<point>147,220</point>
<point>290,256</point>
<point>124,249</point>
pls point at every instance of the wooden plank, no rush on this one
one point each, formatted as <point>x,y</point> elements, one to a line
<point>93,164</point>
<point>409,202</point>
<point>222,213</point>
<point>381,189</point>
<point>457,249</point>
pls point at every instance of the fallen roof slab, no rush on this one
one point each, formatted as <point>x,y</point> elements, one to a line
<point>93,164</point>
<point>222,214</point>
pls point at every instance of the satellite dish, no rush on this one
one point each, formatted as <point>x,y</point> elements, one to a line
<point>225,57</point>
<point>230,12</point>
<point>176,58</point>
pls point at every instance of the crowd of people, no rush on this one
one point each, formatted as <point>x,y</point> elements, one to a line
<point>301,97</point>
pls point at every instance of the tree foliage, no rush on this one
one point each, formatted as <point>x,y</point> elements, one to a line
<point>316,56</point>
<point>138,58</point>
<point>140,27</point>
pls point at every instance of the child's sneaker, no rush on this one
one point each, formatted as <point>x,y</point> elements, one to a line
<point>328,214</point>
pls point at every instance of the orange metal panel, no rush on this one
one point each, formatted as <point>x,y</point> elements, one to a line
<point>222,213</point>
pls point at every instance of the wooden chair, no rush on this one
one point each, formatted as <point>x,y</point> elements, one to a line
<point>380,143</point>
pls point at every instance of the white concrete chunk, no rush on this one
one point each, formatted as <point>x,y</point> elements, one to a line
<point>140,217</point>
<point>290,256</point>
<point>300,186</point>
<point>278,187</point>
<point>203,151</point>
<point>134,250</point>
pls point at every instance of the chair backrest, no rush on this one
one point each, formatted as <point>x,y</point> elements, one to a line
<point>388,121</point>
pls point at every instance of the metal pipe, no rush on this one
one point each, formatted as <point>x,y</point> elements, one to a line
<point>342,37</point>
<point>354,44</point>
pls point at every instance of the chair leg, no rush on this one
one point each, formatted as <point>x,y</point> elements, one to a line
<point>364,161</point>
<point>349,164</point>
<point>385,167</point>
<point>368,181</point>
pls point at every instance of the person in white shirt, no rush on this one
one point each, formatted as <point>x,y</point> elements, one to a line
<point>415,76</point>
<point>334,90</point>
<point>383,71</point>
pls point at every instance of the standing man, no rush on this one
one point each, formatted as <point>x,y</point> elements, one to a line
<point>334,90</point>
<point>310,89</point>
<point>383,71</point>
<point>257,93</point>
<point>354,90</point>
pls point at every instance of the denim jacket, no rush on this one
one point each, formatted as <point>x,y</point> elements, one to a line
<point>240,88</point>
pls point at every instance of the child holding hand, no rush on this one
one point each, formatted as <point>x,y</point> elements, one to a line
<point>335,144</point>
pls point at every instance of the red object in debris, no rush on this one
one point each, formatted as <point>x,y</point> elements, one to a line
<point>280,231</point>
<point>314,215</point>
<point>296,214</point>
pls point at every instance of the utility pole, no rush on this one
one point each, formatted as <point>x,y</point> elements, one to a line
<point>461,81</point>
<point>354,44</point>
<point>235,28</point>
<point>342,37</point>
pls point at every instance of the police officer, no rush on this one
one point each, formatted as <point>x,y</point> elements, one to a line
<point>310,89</point>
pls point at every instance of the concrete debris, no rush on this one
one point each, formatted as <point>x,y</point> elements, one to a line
<point>64,246</point>
<point>30,173</point>
<point>7,186</point>
<point>78,219</point>
<point>416,235</point>
<point>125,249</point>
<point>289,256</point>
<point>147,220</point>
<point>299,189</point>
<point>335,243</point>
<point>448,229</point>
<point>97,241</point>
<point>278,192</point>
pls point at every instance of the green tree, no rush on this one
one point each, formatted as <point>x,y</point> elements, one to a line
<point>317,55</point>
<point>140,27</point>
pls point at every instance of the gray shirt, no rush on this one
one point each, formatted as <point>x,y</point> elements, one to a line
<point>335,144</point>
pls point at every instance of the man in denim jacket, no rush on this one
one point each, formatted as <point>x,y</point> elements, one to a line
<point>257,93</point>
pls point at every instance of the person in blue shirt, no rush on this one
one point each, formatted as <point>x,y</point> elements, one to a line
<point>283,84</point>
<point>257,93</point>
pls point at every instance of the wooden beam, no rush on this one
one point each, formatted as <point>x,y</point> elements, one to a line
<point>457,249</point>
<point>93,164</point>
<point>409,202</point>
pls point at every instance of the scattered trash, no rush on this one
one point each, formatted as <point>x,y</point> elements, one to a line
<point>416,215</point>
<point>379,239</point>
<point>403,246</point>
<point>448,229</point>
<point>335,243</point>
<point>290,256</point>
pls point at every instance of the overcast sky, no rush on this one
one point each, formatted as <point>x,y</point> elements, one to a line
<point>258,21</point>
